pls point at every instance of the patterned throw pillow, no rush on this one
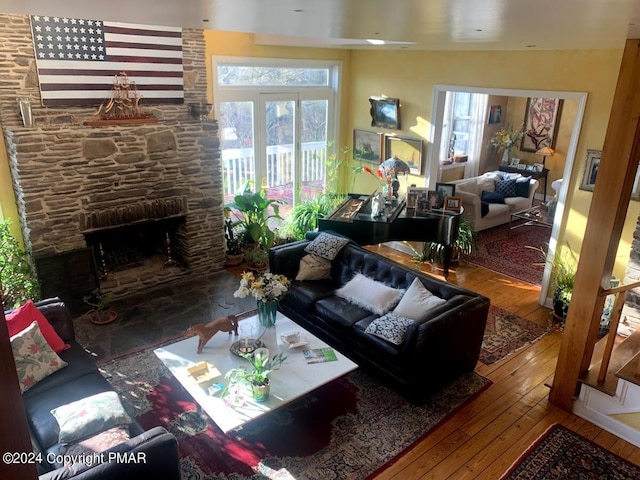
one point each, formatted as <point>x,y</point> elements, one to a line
<point>33,356</point>
<point>25,315</point>
<point>326,245</point>
<point>506,188</point>
<point>91,415</point>
<point>390,327</point>
<point>96,444</point>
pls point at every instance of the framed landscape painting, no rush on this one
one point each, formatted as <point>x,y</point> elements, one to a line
<point>541,119</point>
<point>368,146</point>
<point>407,149</point>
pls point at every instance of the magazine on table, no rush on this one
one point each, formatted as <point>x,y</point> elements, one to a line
<point>320,355</point>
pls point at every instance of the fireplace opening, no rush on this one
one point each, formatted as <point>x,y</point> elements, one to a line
<point>137,244</point>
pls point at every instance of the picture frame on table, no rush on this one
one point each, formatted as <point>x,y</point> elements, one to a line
<point>435,200</point>
<point>539,167</point>
<point>541,119</point>
<point>445,190</point>
<point>531,168</point>
<point>514,162</point>
<point>423,204</point>
<point>414,194</point>
<point>522,166</point>
<point>407,149</point>
<point>453,204</point>
<point>591,167</point>
<point>368,146</point>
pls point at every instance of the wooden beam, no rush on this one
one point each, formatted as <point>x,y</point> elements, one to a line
<point>14,432</point>
<point>607,214</point>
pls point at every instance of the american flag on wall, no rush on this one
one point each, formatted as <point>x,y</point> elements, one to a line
<point>77,60</point>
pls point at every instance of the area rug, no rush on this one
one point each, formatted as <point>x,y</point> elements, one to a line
<point>561,454</point>
<point>349,429</point>
<point>506,333</point>
<point>507,251</point>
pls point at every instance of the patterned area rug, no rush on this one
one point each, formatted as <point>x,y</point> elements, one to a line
<point>562,454</point>
<point>348,429</point>
<point>505,251</point>
<point>506,333</point>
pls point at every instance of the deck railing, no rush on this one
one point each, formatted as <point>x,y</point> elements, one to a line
<point>238,165</point>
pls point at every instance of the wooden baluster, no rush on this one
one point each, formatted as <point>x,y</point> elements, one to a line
<point>616,312</point>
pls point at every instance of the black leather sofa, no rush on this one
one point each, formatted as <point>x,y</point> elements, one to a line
<point>156,448</point>
<point>433,352</point>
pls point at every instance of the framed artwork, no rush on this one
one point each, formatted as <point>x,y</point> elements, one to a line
<point>385,112</point>
<point>541,119</point>
<point>514,162</point>
<point>434,200</point>
<point>495,114</point>
<point>414,194</point>
<point>453,204</point>
<point>407,149</point>
<point>445,190</point>
<point>368,146</point>
<point>591,167</point>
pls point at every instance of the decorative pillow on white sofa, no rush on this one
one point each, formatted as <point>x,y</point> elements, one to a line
<point>417,302</point>
<point>390,327</point>
<point>33,356</point>
<point>369,294</point>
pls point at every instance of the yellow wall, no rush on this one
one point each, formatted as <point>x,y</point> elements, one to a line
<point>8,208</point>
<point>411,76</point>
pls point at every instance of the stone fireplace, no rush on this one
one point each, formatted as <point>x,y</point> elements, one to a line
<point>145,199</point>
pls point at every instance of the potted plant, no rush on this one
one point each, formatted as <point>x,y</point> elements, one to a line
<point>252,212</point>
<point>257,259</point>
<point>304,216</point>
<point>16,279</point>
<point>464,244</point>
<point>100,313</point>
<point>233,242</point>
<point>564,264</point>
<point>257,378</point>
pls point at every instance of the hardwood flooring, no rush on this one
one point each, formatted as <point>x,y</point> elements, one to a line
<point>488,434</point>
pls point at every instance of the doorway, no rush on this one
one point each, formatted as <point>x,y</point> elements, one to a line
<point>433,160</point>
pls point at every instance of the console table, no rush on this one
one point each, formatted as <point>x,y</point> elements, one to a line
<point>529,173</point>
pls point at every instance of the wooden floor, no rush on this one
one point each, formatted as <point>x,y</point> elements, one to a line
<point>486,436</point>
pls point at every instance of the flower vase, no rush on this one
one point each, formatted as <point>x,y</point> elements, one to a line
<point>506,155</point>
<point>377,205</point>
<point>267,312</point>
<point>387,192</point>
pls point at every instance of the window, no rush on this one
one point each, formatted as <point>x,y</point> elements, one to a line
<point>275,121</point>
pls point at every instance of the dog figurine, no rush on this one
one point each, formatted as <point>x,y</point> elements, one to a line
<point>206,331</point>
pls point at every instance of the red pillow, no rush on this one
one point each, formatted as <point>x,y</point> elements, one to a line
<point>24,316</point>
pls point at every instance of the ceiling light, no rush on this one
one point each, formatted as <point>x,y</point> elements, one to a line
<point>375,41</point>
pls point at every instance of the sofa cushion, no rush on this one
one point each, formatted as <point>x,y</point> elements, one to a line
<point>97,443</point>
<point>492,197</point>
<point>469,186</point>
<point>338,311</point>
<point>306,294</point>
<point>326,245</point>
<point>88,416</point>
<point>517,203</point>
<point>506,187</point>
<point>25,315</point>
<point>522,186</point>
<point>417,302</point>
<point>33,356</point>
<point>390,327</point>
<point>314,267</point>
<point>367,293</point>
<point>487,183</point>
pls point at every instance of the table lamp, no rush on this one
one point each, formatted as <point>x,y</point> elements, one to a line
<point>545,152</point>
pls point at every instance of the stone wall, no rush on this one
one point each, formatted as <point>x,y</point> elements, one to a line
<point>65,172</point>
<point>631,309</point>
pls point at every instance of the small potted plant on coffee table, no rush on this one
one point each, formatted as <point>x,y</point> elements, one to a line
<point>257,378</point>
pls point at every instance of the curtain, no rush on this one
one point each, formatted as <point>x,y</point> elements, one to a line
<point>479,102</point>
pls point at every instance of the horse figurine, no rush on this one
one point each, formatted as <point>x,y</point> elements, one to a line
<point>206,331</point>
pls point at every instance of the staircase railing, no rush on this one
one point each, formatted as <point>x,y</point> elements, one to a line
<point>616,313</point>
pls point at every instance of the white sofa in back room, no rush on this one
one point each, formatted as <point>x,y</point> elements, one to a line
<point>507,193</point>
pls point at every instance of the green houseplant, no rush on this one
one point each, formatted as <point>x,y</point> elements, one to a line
<point>233,242</point>
<point>100,313</point>
<point>257,377</point>
<point>16,277</point>
<point>464,245</point>
<point>253,211</point>
<point>565,263</point>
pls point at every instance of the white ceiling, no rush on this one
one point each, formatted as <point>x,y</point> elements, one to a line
<point>425,24</point>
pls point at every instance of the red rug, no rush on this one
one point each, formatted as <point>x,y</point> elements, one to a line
<point>560,454</point>
<point>505,251</point>
<point>349,429</point>
<point>506,333</point>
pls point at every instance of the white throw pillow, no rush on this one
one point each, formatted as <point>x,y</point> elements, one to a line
<point>417,302</point>
<point>369,294</point>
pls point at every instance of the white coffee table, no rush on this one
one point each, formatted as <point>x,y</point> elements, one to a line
<point>293,379</point>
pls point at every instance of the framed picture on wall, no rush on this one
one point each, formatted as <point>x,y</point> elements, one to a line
<point>407,149</point>
<point>368,146</point>
<point>541,118</point>
<point>591,167</point>
<point>495,114</point>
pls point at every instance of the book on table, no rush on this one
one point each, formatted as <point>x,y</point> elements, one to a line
<point>320,355</point>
